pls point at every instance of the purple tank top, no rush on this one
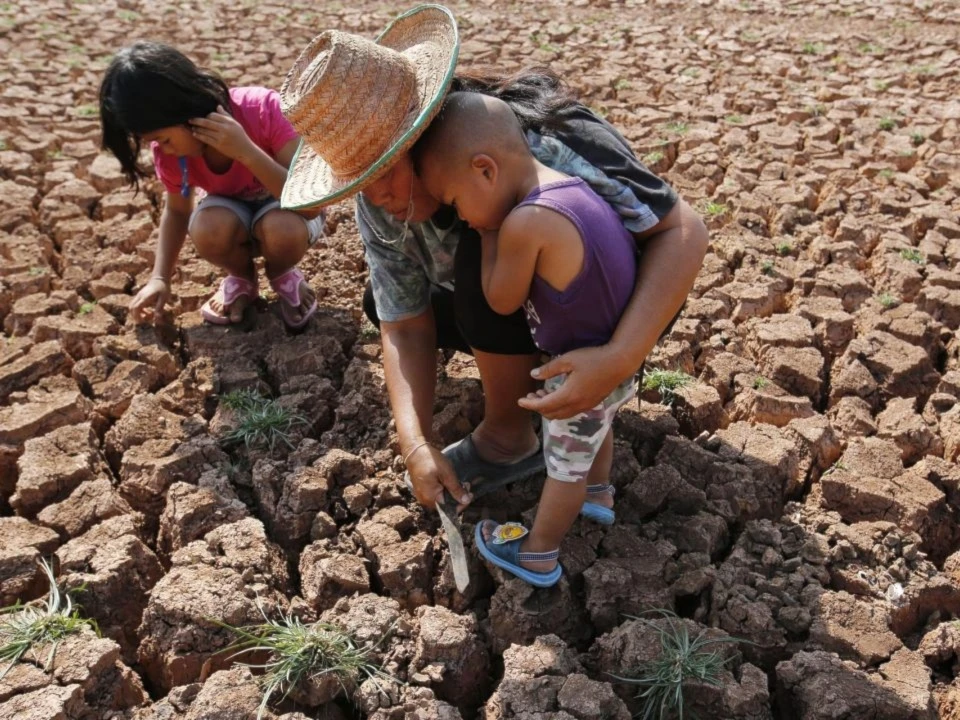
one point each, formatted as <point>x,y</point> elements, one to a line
<point>586,313</point>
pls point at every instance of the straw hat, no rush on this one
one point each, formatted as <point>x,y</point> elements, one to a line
<point>359,104</point>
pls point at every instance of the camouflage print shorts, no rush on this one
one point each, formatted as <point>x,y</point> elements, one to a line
<point>570,446</point>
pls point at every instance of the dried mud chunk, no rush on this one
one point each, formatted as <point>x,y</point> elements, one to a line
<point>289,501</point>
<point>50,703</point>
<point>819,686</point>
<point>855,629</point>
<point>118,572</point>
<point>144,420</point>
<point>49,406</point>
<point>698,409</point>
<point>327,575</point>
<point>76,334</point>
<point>52,466</point>
<point>321,356</point>
<point>453,643</point>
<point>631,582</point>
<point>901,423</point>
<point>22,545</point>
<point>89,504</point>
<point>773,456</point>
<point>799,371</point>
<point>180,639</point>
<point>191,512</point>
<point>228,695</point>
<point>242,546</point>
<point>40,361</point>
<point>519,613</point>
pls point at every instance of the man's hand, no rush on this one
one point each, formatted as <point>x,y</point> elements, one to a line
<point>431,473</point>
<point>592,374</point>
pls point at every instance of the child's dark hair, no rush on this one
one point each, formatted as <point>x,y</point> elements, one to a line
<point>149,86</point>
<point>537,95</point>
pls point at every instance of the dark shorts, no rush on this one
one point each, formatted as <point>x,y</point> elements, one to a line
<point>464,319</point>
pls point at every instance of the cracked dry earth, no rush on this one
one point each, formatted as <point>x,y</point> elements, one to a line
<point>802,496</point>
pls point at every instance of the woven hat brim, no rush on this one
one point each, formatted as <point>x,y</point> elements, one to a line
<point>311,181</point>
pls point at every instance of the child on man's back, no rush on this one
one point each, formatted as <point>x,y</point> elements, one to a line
<point>552,246</point>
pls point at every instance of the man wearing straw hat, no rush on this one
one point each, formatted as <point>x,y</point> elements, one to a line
<point>359,106</point>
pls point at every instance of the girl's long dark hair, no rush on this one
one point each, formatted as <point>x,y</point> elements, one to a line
<point>149,86</point>
<point>537,95</point>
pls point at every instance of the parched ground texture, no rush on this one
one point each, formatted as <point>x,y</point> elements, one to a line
<point>802,496</point>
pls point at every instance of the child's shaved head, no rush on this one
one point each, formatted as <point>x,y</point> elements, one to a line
<point>471,123</point>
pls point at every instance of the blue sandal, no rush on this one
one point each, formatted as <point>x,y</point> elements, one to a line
<point>503,550</point>
<point>595,512</point>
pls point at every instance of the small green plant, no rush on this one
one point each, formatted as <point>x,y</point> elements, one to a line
<point>677,127</point>
<point>24,627</point>
<point>922,70</point>
<point>128,15</point>
<point>817,110</point>
<point>812,48</point>
<point>36,271</point>
<point>622,84</point>
<point>913,255</point>
<point>886,173</point>
<point>86,308</point>
<point>715,209</point>
<point>734,119</point>
<point>784,248</point>
<point>887,123</point>
<point>652,158</point>
<point>87,110</point>
<point>261,421</point>
<point>219,57</point>
<point>690,72</point>
<point>665,382</point>
<point>543,44</point>
<point>760,382</point>
<point>3,145</point>
<point>302,653</point>
<point>54,154</point>
<point>881,85</point>
<point>836,467</point>
<point>682,658</point>
<point>869,48</point>
<point>766,267</point>
<point>888,300</point>
<point>917,138</point>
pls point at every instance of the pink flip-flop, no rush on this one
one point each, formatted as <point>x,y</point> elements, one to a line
<point>231,288</point>
<point>287,287</point>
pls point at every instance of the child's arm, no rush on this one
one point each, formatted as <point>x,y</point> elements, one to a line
<point>222,132</point>
<point>173,231</point>
<point>510,261</point>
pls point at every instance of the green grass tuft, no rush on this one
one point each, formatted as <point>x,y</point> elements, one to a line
<point>261,421</point>
<point>766,267</point>
<point>887,123</point>
<point>665,382</point>
<point>24,627</point>
<point>715,209</point>
<point>784,248</point>
<point>301,653</point>
<point>913,255</point>
<point>888,300</point>
<point>682,658</point>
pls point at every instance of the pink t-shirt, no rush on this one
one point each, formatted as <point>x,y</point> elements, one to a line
<point>257,109</point>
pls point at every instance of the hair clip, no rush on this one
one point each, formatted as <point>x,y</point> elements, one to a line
<point>184,180</point>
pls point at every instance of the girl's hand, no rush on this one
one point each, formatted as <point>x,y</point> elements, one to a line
<point>220,131</point>
<point>150,300</point>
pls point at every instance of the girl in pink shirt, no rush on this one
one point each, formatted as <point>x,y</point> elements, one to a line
<point>228,149</point>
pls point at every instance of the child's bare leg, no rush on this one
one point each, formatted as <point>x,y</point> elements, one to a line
<point>283,242</point>
<point>600,472</point>
<point>221,239</point>
<point>560,503</point>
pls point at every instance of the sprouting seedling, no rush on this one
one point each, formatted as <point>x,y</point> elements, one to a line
<point>715,209</point>
<point>784,248</point>
<point>653,157</point>
<point>913,255</point>
<point>622,84</point>
<point>886,173</point>
<point>917,138</point>
<point>24,627</point>
<point>666,383</point>
<point>888,300</point>
<point>86,308</point>
<point>812,48</point>
<point>682,658</point>
<point>760,382</point>
<point>677,127</point>
<point>261,421</point>
<point>734,119</point>
<point>300,653</point>
<point>836,467</point>
<point>87,110</point>
<point>869,48</point>
<point>887,123</point>
<point>766,267</point>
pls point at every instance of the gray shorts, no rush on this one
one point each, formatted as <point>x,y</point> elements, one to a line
<point>570,446</point>
<point>250,213</point>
